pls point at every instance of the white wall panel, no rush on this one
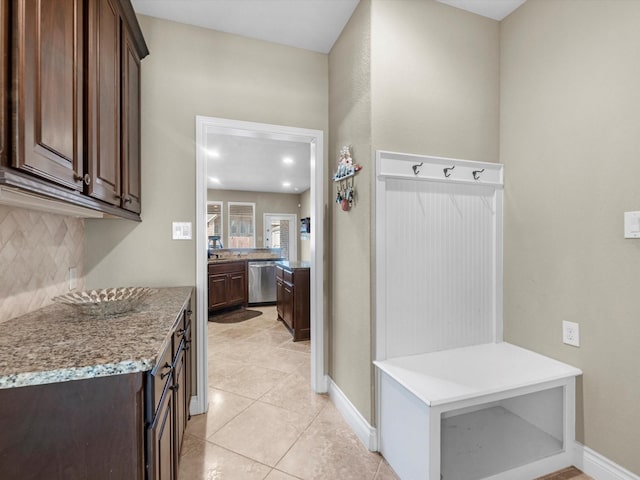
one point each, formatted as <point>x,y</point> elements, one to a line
<point>439,266</point>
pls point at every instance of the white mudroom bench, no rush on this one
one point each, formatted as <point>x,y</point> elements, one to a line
<point>453,400</point>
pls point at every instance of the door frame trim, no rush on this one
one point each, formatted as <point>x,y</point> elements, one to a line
<point>315,138</point>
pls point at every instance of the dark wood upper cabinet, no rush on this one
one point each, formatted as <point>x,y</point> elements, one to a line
<point>4,80</point>
<point>131,184</point>
<point>70,102</point>
<point>48,83</point>
<point>103,101</point>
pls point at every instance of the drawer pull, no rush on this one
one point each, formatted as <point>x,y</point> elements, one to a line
<point>181,332</point>
<point>166,374</point>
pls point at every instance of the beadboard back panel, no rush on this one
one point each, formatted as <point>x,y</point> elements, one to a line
<point>438,258</point>
<point>36,251</point>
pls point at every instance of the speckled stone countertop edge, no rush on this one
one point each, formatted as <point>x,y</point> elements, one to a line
<point>67,374</point>
<point>50,364</point>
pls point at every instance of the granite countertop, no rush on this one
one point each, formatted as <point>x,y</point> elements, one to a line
<point>227,255</point>
<point>56,344</point>
<point>294,265</point>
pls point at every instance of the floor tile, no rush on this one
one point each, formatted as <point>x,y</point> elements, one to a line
<point>329,449</point>
<point>262,432</point>
<point>223,407</point>
<point>302,346</point>
<point>280,359</point>
<point>250,381</point>
<point>206,461</point>
<point>385,472</point>
<point>294,393</point>
<point>273,336</point>
<point>278,475</point>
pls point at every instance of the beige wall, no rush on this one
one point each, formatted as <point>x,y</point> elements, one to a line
<point>36,251</point>
<point>193,71</point>
<point>266,202</point>
<point>418,77</point>
<point>570,142</point>
<point>435,80</point>
<point>350,124</point>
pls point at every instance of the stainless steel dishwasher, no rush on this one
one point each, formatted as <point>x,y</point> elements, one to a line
<point>262,281</point>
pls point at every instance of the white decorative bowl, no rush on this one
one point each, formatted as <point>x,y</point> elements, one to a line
<point>107,302</point>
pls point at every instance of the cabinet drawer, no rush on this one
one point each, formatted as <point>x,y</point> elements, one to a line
<point>230,267</point>
<point>279,273</point>
<point>287,276</point>
<point>158,379</point>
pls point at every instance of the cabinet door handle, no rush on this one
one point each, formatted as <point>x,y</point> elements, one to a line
<point>86,179</point>
<point>166,374</point>
<point>175,387</point>
<point>127,199</point>
<point>181,332</point>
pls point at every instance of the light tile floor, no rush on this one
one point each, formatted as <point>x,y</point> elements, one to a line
<point>264,422</point>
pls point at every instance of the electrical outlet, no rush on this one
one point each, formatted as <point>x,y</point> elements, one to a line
<point>571,333</point>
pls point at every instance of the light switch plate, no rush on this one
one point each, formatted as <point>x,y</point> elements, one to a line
<point>181,231</point>
<point>631,224</point>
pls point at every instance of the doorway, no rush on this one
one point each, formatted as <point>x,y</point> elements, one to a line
<point>280,232</point>
<point>206,126</point>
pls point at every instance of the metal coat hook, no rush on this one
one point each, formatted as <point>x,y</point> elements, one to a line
<point>447,170</point>
<point>416,167</point>
<point>476,174</point>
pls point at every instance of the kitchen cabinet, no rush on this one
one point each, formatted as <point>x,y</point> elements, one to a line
<point>75,103</point>
<point>4,81</point>
<point>292,303</point>
<point>48,74</point>
<point>120,420</point>
<point>228,285</point>
<point>169,387</point>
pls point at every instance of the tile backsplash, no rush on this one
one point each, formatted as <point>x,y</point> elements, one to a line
<point>36,251</point>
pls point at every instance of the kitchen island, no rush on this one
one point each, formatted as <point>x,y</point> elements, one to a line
<point>96,398</point>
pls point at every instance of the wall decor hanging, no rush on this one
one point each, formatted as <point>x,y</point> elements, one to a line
<point>344,179</point>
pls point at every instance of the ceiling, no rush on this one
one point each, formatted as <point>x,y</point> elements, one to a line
<point>251,164</point>
<point>257,164</point>
<point>309,24</point>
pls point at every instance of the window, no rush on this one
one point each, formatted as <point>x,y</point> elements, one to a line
<point>242,220</point>
<point>214,224</point>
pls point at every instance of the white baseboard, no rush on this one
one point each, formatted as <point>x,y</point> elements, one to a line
<point>600,467</point>
<point>363,430</point>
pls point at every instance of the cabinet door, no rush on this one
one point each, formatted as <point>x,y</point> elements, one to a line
<point>130,125</point>
<point>280,298</point>
<point>237,288</point>
<point>287,304</point>
<point>217,290</point>
<point>48,75</point>
<point>103,101</point>
<point>180,390</point>
<point>162,461</point>
<point>4,83</point>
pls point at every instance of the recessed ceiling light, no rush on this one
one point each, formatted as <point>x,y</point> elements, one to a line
<point>295,189</point>
<point>212,153</point>
<point>287,160</point>
<point>286,184</point>
<point>214,179</point>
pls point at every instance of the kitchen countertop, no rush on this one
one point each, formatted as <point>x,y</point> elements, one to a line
<point>56,344</point>
<point>227,255</point>
<point>294,265</point>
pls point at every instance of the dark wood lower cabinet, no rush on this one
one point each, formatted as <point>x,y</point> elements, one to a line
<point>167,418</point>
<point>228,285</point>
<point>117,427</point>
<point>292,302</point>
<point>76,430</point>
